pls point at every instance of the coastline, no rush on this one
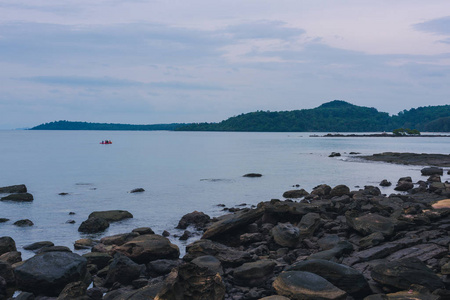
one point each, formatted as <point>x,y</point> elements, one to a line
<point>248,254</point>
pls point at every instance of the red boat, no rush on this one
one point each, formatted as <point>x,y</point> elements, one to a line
<point>106,142</point>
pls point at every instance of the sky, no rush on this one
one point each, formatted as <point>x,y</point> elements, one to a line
<point>178,61</point>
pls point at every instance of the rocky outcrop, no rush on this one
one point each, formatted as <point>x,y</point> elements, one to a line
<point>111,215</point>
<point>13,189</point>
<point>93,225</point>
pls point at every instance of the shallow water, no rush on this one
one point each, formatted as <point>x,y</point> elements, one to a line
<point>180,172</point>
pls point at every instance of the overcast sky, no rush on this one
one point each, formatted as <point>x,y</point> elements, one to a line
<point>147,62</point>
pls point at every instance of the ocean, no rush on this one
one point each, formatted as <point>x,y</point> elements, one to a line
<point>180,171</point>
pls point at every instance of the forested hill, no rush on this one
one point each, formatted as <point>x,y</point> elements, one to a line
<point>68,125</point>
<point>336,116</point>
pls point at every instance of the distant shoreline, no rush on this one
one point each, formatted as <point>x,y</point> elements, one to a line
<point>378,135</point>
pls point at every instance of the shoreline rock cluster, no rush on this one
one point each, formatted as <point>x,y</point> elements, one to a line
<point>331,243</point>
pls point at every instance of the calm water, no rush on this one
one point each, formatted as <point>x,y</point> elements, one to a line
<point>180,172</point>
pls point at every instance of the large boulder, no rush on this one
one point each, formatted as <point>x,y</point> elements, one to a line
<point>7,244</point>
<point>6,272</point>
<point>254,273</point>
<point>111,215</point>
<point>50,272</point>
<point>309,224</point>
<point>342,276</point>
<point>286,234</point>
<point>340,190</point>
<point>12,189</point>
<point>20,197</point>
<point>38,245</point>
<point>370,223</point>
<point>98,259</point>
<point>93,225</point>
<point>402,273</point>
<point>298,285</point>
<point>432,171</point>
<point>195,218</point>
<point>123,270</point>
<point>295,193</point>
<point>146,248</point>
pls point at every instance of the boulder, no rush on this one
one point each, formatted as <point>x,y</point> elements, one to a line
<point>143,230</point>
<point>38,245</point>
<point>118,239</point>
<point>99,259</point>
<point>402,273</point>
<point>11,257</point>
<point>228,256</point>
<point>254,273</point>
<point>432,171</point>
<point>137,190</point>
<point>340,190</point>
<point>370,223</point>
<point>7,244</point>
<point>295,194</point>
<point>20,197</point>
<point>321,190</point>
<point>252,175</point>
<point>50,272</point>
<point>298,285</point>
<point>342,276</point>
<point>403,186</point>
<point>309,224</point>
<point>209,262</point>
<point>334,154</point>
<point>385,182</point>
<point>7,273</point>
<point>111,215</point>
<point>286,234</point>
<point>84,244</point>
<point>146,248</point>
<point>24,223</point>
<point>161,267</point>
<point>54,249</point>
<point>147,292</point>
<point>195,218</point>
<point>123,270</point>
<point>232,222</point>
<point>13,189</point>
<point>93,225</point>
<point>74,290</point>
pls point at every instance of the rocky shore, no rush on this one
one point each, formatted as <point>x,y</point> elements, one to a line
<point>330,243</point>
<point>404,158</point>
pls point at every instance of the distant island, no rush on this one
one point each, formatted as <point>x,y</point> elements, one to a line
<point>334,116</point>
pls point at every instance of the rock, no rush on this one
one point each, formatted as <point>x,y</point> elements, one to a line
<point>25,296</point>
<point>385,182</point>
<point>321,190</point>
<point>275,297</point>
<point>423,252</point>
<point>21,197</point>
<point>432,171</point>
<point>441,204</point>
<point>434,178</point>
<point>123,270</point>
<point>7,244</point>
<point>161,267</point>
<point>3,288</point>
<point>228,256</point>
<point>286,234</point>
<point>254,273</point>
<point>118,239</point>
<point>402,273</point>
<point>111,215</point>
<point>341,248</point>
<point>232,222</point>
<point>49,273</point>
<point>7,273</point>
<point>24,223</point>
<point>99,259</point>
<point>93,225</point>
<point>334,154</point>
<point>74,290</point>
<point>328,242</point>
<point>340,190</point>
<point>298,285</point>
<point>38,245</point>
<point>371,240</point>
<point>295,194</point>
<point>209,262</point>
<point>54,249</point>
<point>252,175</point>
<point>343,277</point>
<point>13,189</point>
<point>146,248</point>
<point>309,224</point>
<point>137,190</point>
<point>403,186</point>
<point>143,230</point>
<point>147,292</point>
<point>3,220</point>
<point>370,223</point>
<point>192,282</point>
<point>185,236</point>
<point>11,257</point>
<point>195,218</point>
<point>84,244</point>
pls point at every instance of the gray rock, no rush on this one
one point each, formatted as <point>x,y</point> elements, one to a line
<point>195,218</point>
<point>252,175</point>
<point>162,266</point>
<point>298,285</point>
<point>385,182</point>
<point>7,244</point>
<point>50,272</point>
<point>111,215</point>
<point>341,248</point>
<point>328,242</point>
<point>12,189</point>
<point>11,257</point>
<point>340,190</point>
<point>370,223</point>
<point>74,290</point>
<point>432,171</point>
<point>7,273</point>
<point>143,230</point>
<point>123,270</point>
<point>254,273</point>
<point>286,234</point>
<point>38,245</point>
<point>309,224</point>
<point>137,190</point>
<point>93,225</point>
<point>118,239</point>
<point>295,194</point>
<point>99,259</point>
<point>371,240</point>
<point>209,262</point>
<point>24,223</point>
<point>20,197</point>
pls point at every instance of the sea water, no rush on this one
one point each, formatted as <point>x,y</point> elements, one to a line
<point>180,171</point>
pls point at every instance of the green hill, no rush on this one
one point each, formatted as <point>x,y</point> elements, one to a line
<point>68,125</point>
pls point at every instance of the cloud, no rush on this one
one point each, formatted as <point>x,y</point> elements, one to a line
<point>437,26</point>
<point>77,81</point>
<point>264,30</point>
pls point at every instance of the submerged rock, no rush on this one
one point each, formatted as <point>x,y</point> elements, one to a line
<point>252,175</point>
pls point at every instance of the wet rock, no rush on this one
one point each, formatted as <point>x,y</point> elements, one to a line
<point>195,218</point>
<point>93,225</point>
<point>186,235</point>
<point>402,273</point>
<point>209,262</point>
<point>111,215</point>
<point>137,190</point>
<point>321,190</point>
<point>343,277</point>
<point>385,182</point>
<point>403,186</point>
<point>229,257</point>
<point>74,290</point>
<point>295,194</point>
<point>254,273</point>
<point>50,272</point>
<point>118,239</point>
<point>334,154</point>
<point>340,190</point>
<point>432,171</point>
<point>7,244</point>
<point>38,245</point>
<point>123,270</point>
<point>54,249</point>
<point>11,257</point>
<point>12,189</point>
<point>370,223</point>
<point>143,230</point>
<point>24,223</point>
<point>146,248</point>
<point>84,244</point>
<point>434,178</point>
<point>20,197</point>
<point>99,259</point>
<point>309,224</point>
<point>7,273</point>
<point>252,175</point>
<point>286,234</point>
<point>3,220</point>
<point>162,266</point>
<point>298,285</point>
